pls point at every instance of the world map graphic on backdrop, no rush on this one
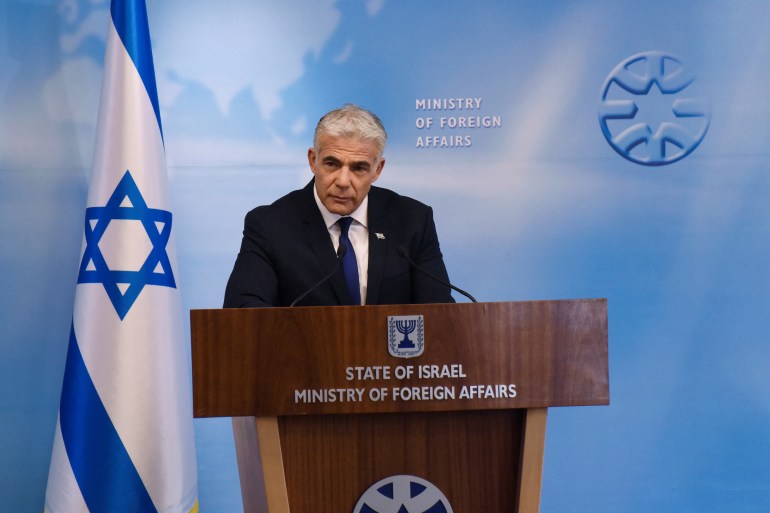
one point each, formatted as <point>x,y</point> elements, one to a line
<point>207,94</point>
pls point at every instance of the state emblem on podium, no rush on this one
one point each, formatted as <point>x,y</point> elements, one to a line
<point>406,335</point>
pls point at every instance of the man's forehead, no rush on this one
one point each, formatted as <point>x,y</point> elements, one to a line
<point>347,148</point>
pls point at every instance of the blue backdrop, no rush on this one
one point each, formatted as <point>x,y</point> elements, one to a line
<point>538,205</point>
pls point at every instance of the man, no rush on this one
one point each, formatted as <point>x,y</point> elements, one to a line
<point>291,245</point>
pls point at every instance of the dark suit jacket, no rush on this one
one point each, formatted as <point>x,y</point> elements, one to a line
<point>286,249</point>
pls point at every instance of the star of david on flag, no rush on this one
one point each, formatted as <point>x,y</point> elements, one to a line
<point>127,203</point>
<point>124,438</point>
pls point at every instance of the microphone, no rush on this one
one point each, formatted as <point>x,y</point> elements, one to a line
<point>401,250</point>
<point>341,250</point>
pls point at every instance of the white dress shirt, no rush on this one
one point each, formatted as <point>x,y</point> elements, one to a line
<point>358,235</point>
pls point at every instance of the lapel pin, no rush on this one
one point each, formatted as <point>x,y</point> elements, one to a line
<point>380,236</point>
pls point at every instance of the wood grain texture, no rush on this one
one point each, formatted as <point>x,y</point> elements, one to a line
<point>250,362</point>
<point>271,456</point>
<point>485,454</point>
<point>531,463</point>
<point>250,471</point>
<point>472,457</point>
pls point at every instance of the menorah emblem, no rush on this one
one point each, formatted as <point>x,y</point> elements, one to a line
<point>402,346</point>
<point>405,328</point>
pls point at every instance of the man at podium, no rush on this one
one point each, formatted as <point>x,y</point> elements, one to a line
<point>340,240</point>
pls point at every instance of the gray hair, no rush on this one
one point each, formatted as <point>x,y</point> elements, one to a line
<point>352,121</point>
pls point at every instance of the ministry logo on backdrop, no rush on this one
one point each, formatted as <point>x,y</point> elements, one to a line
<point>650,112</point>
<point>403,494</point>
<point>406,335</point>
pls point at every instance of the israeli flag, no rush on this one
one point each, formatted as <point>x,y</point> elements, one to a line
<point>124,439</point>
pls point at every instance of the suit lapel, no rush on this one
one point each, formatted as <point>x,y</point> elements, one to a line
<point>378,245</point>
<point>320,243</point>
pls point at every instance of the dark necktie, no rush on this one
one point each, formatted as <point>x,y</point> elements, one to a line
<point>349,262</point>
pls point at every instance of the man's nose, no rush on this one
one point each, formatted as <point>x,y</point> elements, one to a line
<point>343,177</point>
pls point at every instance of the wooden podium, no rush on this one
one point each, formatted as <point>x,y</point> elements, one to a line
<point>323,410</point>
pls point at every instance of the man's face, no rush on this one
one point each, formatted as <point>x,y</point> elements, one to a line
<point>345,169</point>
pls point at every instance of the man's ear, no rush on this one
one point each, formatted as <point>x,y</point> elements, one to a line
<point>311,158</point>
<point>378,170</point>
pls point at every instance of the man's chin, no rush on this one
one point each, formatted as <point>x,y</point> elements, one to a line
<point>341,208</point>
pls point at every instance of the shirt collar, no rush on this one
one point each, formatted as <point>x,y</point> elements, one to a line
<point>360,214</point>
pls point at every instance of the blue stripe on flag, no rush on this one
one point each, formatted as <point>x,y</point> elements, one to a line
<point>103,469</point>
<point>130,19</point>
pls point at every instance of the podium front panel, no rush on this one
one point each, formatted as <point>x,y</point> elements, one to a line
<point>472,457</point>
<point>335,360</point>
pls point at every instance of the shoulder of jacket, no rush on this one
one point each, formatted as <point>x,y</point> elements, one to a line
<point>387,197</point>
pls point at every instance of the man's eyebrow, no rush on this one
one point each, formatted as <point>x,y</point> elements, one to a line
<point>356,163</point>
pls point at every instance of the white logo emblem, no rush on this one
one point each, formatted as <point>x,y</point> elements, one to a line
<point>406,335</point>
<point>403,494</point>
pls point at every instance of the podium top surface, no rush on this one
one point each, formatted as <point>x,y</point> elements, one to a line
<point>399,358</point>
